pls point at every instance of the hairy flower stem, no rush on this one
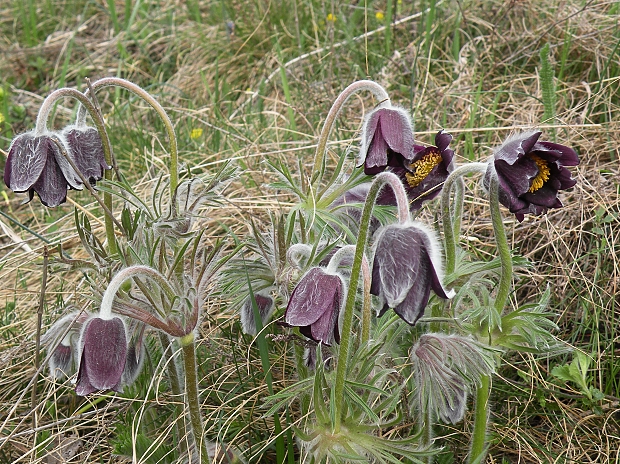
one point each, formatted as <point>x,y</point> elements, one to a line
<point>347,323</point>
<point>449,231</point>
<point>191,390</point>
<point>319,155</point>
<point>41,127</point>
<point>505,283</point>
<point>481,416</point>
<point>105,312</point>
<point>332,268</point>
<point>147,97</point>
<point>483,392</point>
<point>175,386</point>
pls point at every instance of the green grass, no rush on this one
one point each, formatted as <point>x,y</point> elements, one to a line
<point>262,92</point>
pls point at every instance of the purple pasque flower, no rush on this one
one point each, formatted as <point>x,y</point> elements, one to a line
<point>426,173</point>
<point>103,355</point>
<point>387,140</point>
<point>86,151</point>
<point>531,173</point>
<point>315,305</point>
<point>36,164</point>
<point>422,177</point>
<point>406,266</point>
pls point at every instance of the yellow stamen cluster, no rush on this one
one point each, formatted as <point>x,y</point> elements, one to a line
<point>543,173</point>
<point>422,168</point>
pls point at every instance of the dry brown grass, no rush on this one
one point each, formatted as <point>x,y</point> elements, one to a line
<point>572,250</point>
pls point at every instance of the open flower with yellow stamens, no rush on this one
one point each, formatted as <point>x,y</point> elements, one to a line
<point>531,173</point>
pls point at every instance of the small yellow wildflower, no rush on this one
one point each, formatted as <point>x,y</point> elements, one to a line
<point>1,118</point>
<point>379,15</point>
<point>331,18</point>
<point>196,133</point>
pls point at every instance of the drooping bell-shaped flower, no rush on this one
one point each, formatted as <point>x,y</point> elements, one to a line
<point>265,306</point>
<point>36,164</point>
<point>315,305</point>
<point>406,266</point>
<point>86,150</point>
<point>387,140</point>
<point>62,359</point>
<point>103,355</point>
<point>530,173</point>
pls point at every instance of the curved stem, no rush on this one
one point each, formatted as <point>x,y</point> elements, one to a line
<point>191,390</point>
<point>446,215</point>
<point>41,127</point>
<point>505,282</point>
<point>347,324</point>
<point>481,416</point>
<point>105,312</point>
<point>319,155</point>
<point>147,97</point>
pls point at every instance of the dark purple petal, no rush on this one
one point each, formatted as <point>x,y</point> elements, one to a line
<point>516,147</point>
<point>72,178</point>
<point>315,304</point>
<point>25,162</point>
<point>397,131</point>
<point>412,307</point>
<point>531,173</point>
<point>442,141</point>
<point>312,297</point>
<point>51,185</point>
<point>265,306</point>
<point>86,149</point>
<point>566,155</point>
<point>397,258</point>
<point>61,361</point>
<point>387,140</point>
<point>104,353</point>
<point>377,157</point>
<point>403,271</point>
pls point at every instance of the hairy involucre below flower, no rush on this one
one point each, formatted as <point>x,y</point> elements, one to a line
<point>406,265</point>
<point>315,305</point>
<point>531,173</point>
<point>446,367</point>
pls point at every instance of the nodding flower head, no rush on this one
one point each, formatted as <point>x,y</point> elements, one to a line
<point>265,306</point>
<point>103,355</point>
<point>315,306</point>
<point>61,340</point>
<point>86,150</point>
<point>387,140</point>
<point>530,173</point>
<point>406,265</point>
<point>422,177</point>
<point>36,163</point>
